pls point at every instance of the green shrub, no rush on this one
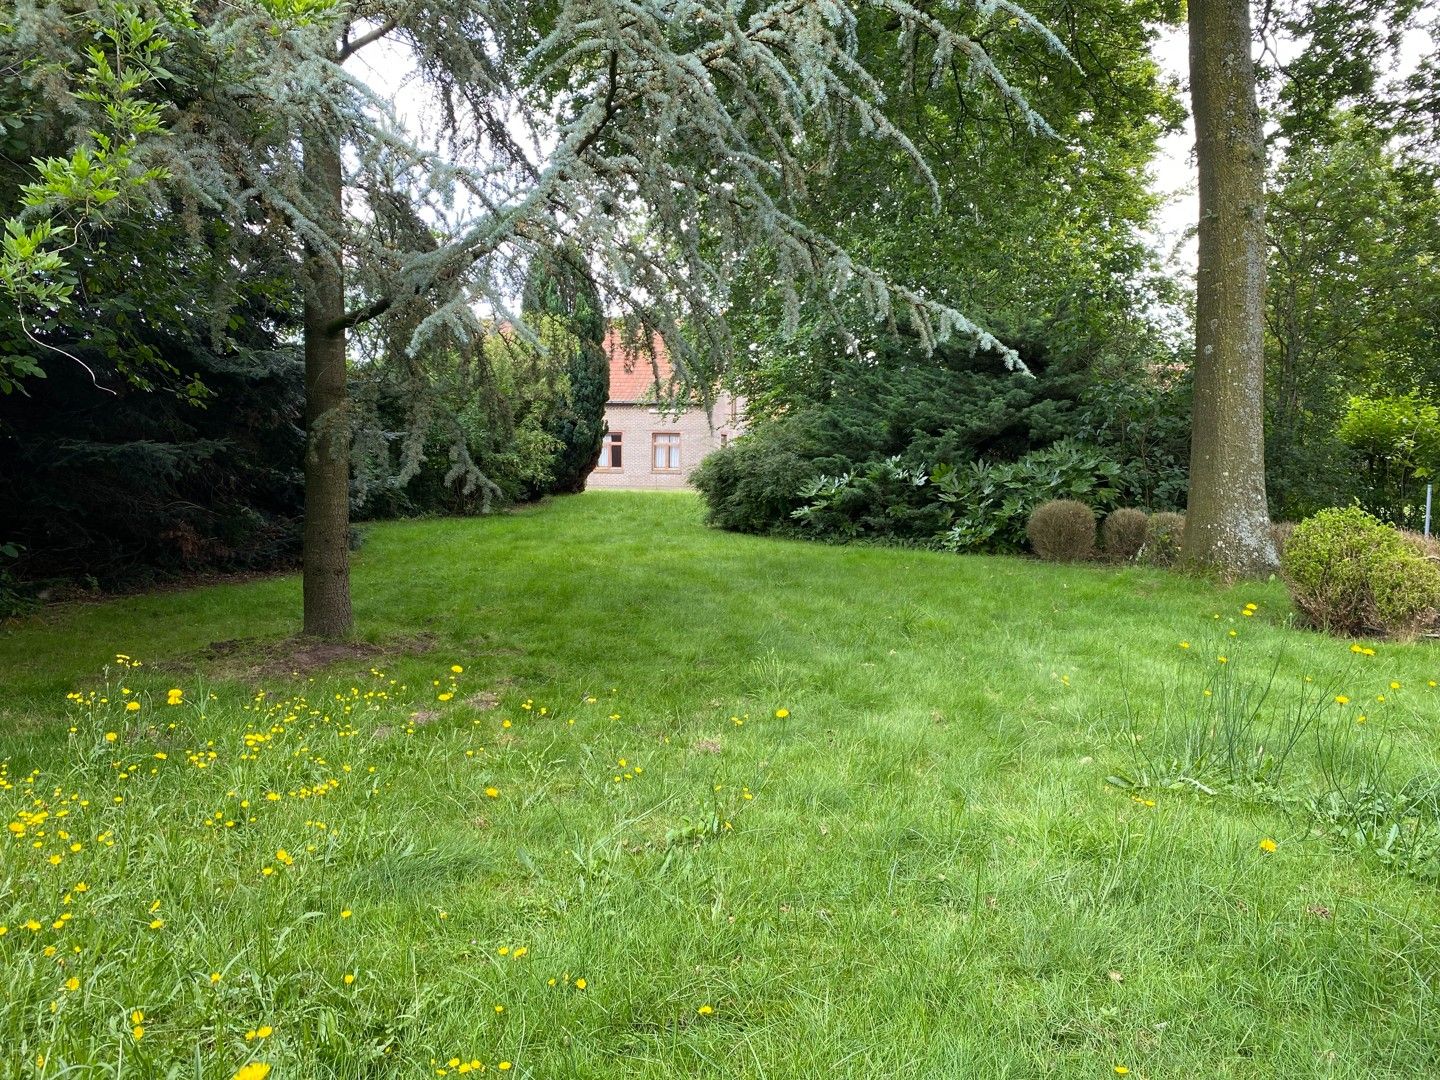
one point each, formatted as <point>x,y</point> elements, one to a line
<point>1349,572</point>
<point>752,485</point>
<point>1428,546</point>
<point>1123,533</point>
<point>1164,535</point>
<point>990,504</point>
<point>884,501</point>
<point>1062,530</point>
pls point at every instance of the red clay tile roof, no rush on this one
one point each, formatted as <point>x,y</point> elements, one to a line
<point>631,376</point>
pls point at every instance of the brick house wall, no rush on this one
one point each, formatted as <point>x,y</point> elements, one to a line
<point>648,448</point>
<point>638,424</point>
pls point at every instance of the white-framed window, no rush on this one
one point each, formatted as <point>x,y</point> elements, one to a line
<point>665,451</point>
<point>611,450</point>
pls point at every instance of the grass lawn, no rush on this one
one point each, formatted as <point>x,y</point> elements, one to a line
<point>710,805</point>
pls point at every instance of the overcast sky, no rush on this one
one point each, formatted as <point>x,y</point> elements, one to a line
<point>1174,168</point>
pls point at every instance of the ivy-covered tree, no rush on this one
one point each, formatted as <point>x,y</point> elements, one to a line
<point>559,287</point>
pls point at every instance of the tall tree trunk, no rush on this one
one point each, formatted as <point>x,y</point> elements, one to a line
<point>326,541</point>
<point>1227,523</point>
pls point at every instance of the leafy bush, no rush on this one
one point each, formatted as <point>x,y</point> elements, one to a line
<point>1398,441</point>
<point>883,501</point>
<point>994,443</point>
<point>1349,572</point>
<point>752,485</point>
<point>1429,546</point>
<point>990,505</point>
<point>1123,533</point>
<point>1164,535</point>
<point>1062,530</point>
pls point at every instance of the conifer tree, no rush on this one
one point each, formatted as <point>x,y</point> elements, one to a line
<point>669,140</point>
<point>559,287</point>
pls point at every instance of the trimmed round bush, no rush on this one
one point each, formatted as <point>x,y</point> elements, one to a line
<point>1123,533</point>
<point>1062,530</point>
<point>1349,572</point>
<point>1164,534</point>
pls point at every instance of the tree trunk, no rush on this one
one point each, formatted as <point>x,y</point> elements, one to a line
<point>326,542</point>
<point>1227,522</point>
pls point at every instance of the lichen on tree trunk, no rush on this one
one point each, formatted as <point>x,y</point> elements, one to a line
<point>326,539</point>
<point>1227,521</point>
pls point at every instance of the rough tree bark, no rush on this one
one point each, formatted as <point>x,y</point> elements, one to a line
<point>1227,522</point>
<point>326,541</point>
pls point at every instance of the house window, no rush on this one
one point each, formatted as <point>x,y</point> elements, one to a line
<point>666,457</point>
<point>610,451</point>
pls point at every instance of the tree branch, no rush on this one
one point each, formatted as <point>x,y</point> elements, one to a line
<point>350,48</point>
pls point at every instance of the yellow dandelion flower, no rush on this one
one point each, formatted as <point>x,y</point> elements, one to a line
<point>782,713</point>
<point>346,913</point>
<point>256,1070</point>
<point>349,978</point>
<point>1268,846</point>
<point>132,706</point>
<point>72,984</point>
<point>705,1010</point>
<point>492,792</point>
<point>1341,699</point>
<point>110,736</point>
<point>1121,1070</point>
<point>457,669</point>
<point>504,1066</point>
<point>581,984</point>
